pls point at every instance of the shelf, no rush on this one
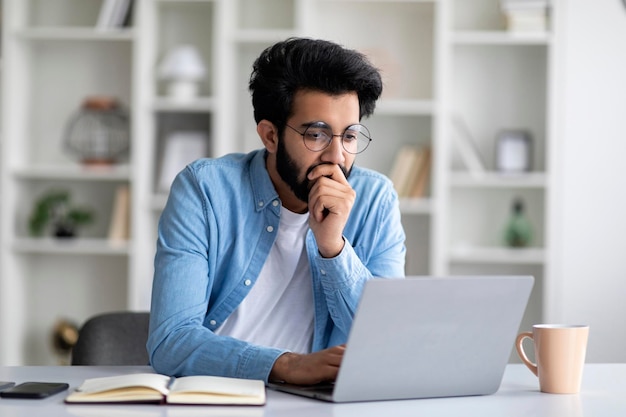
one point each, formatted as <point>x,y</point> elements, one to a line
<point>501,38</point>
<point>416,206</point>
<point>495,255</point>
<point>199,105</point>
<point>76,33</point>
<point>74,246</point>
<point>498,180</point>
<point>74,172</point>
<point>378,1</point>
<point>405,107</point>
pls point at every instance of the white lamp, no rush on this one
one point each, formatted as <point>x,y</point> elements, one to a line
<point>184,69</point>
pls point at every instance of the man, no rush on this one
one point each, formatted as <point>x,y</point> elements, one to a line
<point>261,258</point>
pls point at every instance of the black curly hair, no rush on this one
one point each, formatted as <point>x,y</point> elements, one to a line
<point>310,64</point>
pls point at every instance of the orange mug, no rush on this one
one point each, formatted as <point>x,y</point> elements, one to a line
<point>560,355</point>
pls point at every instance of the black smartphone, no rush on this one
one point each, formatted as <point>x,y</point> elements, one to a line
<point>6,384</point>
<point>34,390</point>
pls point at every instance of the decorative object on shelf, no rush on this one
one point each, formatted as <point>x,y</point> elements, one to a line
<point>53,210</point>
<point>183,68</point>
<point>513,151</point>
<point>518,231</point>
<point>526,15</point>
<point>467,147</point>
<point>99,132</point>
<point>64,337</point>
<point>180,149</point>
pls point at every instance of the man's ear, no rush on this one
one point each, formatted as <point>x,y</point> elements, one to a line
<point>269,135</point>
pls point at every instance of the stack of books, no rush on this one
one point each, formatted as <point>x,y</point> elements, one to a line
<point>411,171</point>
<point>526,15</point>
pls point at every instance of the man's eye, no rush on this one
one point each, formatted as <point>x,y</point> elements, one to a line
<point>315,134</point>
<point>350,136</point>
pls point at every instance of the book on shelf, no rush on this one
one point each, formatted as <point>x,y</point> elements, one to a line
<point>525,15</point>
<point>410,171</point>
<point>420,182</point>
<point>162,389</point>
<point>114,14</point>
<point>466,146</point>
<point>119,226</point>
<point>401,166</point>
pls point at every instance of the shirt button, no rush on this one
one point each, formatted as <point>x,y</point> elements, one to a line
<point>275,203</point>
<point>212,322</point>
<point>247,283</point>
<point>261,203</point>
<point>270,229</point>
<point>322,271</point>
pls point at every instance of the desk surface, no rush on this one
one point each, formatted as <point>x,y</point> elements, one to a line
<point>603,394</point>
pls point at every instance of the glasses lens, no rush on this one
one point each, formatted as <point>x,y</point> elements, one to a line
<point>356,139</point>
<point>317,138</point>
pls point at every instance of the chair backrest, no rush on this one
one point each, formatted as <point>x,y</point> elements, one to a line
<point>117,338</point>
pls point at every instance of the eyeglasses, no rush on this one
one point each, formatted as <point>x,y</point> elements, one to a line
<point>318,135</point>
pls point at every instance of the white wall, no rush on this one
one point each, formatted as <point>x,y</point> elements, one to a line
<point>591,222</point>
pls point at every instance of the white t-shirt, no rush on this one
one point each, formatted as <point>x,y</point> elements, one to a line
<point>278,311</point>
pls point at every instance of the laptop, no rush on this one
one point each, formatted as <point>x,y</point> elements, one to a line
<point>427,337</point>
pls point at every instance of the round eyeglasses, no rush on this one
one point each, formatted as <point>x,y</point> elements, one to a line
<point>318,136</point>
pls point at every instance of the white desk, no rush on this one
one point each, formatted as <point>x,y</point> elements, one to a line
<point>603,394</point>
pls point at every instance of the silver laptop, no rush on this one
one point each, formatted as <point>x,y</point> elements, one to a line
<point>427,337</point>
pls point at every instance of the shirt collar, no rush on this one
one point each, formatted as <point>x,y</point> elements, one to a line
<point>263,190</point>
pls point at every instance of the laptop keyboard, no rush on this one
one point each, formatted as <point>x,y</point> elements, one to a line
<point>321,388</point>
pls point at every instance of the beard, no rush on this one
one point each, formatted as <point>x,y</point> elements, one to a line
<point>288,170</point>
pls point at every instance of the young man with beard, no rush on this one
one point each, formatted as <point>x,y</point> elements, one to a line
<point>261,258</point>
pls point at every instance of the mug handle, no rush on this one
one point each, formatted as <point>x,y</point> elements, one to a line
<point>522,354</point>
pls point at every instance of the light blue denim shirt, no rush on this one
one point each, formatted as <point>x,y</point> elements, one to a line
<point>215,234</point>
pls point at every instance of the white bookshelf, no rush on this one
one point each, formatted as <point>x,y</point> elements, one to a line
<point>497,255</point>
<point>200,105</point>
<point>74,172</point>
<point>498,180</point>
<point>74,246</point>
<point>484,37</point>
<point>77,34</point>
<point>436,56</point>
<point>501,80</point>
<point>56,58</point>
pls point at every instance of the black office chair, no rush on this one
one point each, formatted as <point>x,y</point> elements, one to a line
<point>117,338</point>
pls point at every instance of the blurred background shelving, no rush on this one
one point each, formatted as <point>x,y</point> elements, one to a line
<point>438,58</point>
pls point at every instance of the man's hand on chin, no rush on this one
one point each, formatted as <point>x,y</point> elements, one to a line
<point>330,201</point>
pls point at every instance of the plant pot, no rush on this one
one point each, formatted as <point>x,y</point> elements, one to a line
<point>64,231</point>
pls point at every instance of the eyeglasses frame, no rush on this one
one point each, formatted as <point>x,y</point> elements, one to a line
<point>332,135</point>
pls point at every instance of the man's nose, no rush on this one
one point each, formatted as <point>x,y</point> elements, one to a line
<point>334,153</point>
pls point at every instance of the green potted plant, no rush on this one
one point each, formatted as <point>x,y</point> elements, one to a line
<point>54,211</point>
